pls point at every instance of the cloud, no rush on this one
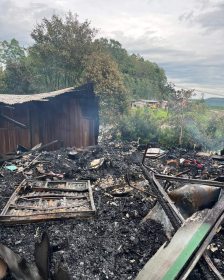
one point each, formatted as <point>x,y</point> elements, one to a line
<point>213,20</point>
<point>209,15</point>
<point>17,21</point>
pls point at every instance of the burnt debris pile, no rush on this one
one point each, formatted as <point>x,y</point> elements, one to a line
<point>102,229</point>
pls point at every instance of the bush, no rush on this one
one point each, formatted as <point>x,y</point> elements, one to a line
<point>168,137</point>
<point>139,123</point>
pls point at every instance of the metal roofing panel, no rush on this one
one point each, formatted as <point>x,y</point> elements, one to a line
<point>12,99</point>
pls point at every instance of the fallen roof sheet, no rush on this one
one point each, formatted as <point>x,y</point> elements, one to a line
<point>12,99</point>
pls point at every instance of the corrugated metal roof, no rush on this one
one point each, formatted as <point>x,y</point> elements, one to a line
<point>12,99</point>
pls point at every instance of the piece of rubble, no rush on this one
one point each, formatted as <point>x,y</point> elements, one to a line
<point>22,270</point>
<point>73,154</point>
<point>3,269</point>
<point>11,167</point>
<point>193,197</point>
<point>203,154</point>
<point>97,163</point>
<point>212,247</point>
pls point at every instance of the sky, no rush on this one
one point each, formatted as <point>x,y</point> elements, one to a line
<point>185,38</point>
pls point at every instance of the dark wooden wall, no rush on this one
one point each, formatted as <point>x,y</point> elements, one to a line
<point>70,118</point>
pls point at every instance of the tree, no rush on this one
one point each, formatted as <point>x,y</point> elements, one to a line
<point>16,76</point>
<point>103,71</point>
<point>143,79</point>
<point>2,81</point>
<point>60,49</point>
<point>11,52</point>
<point>179,106</point>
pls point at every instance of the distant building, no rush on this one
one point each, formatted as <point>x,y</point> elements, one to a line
<point>152,104</point>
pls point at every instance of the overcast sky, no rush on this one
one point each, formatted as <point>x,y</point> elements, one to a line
<point>186,38</point>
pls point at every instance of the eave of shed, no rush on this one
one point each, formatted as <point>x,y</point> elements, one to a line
<point>12,99</point>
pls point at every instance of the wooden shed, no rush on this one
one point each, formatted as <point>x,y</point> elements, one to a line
<point>68,115</point>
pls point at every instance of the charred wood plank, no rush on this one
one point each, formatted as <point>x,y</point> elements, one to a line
<point>41,217</point>
<point>52,196</point>
<point>186,180</point>
<point>167,204</point>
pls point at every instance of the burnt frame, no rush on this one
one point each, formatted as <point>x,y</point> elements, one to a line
<point>21,191</point>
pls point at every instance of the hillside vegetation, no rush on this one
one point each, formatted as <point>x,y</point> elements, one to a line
<point>66,53</point>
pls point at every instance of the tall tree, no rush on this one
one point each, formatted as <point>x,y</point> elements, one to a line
<point>2,81</point>
<point>180,106</point>
<point>143,78</point>
<point>109,85</point>
<point>11,52</point>
<point>60,49</point>
<point>16,76</point>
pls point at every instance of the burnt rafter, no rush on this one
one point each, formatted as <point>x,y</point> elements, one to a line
<point>17,123</point>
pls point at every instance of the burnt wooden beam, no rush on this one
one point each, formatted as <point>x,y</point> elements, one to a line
<point>163,198</point>
<point>13,121</point>
<point>53,196</point>
<point>8,158</point>
<point>187,180</point>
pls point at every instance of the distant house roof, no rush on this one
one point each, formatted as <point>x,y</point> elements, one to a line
<point>145,101</point>
<point>149,101</point>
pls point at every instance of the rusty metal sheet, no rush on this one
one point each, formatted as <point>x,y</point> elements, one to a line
<point>35,201</point>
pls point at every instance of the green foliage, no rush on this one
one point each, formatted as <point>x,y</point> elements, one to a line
<point>168,137</point>
<point>65,53</point>
<point>16,77</point>
<point>103,71</point>
<point>2,80</point>
<point>200,126</point>
<point>139,123</point>
<point>179,104</point>
<point>11,52</point>
<point>143,78</point>
<point>59,50</point>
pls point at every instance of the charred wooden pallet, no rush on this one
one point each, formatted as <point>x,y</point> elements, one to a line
<point>35,201</point>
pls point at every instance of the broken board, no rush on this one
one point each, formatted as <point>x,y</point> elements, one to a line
<point>170,260</point>
<point>35,201</point>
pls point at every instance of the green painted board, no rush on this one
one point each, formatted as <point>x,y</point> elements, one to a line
<point>169,261</point>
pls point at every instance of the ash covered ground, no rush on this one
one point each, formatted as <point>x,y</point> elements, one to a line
<point>115,244</point>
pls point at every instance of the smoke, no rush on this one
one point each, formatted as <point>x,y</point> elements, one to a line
<point>199,136</point>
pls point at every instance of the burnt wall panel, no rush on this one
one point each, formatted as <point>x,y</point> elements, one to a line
<point>63,120</point>
<point>10,134</point>
<point>70,118</point>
